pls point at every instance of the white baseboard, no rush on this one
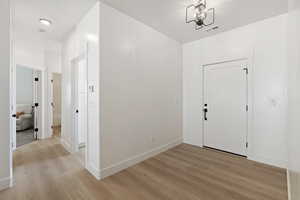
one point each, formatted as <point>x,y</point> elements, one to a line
<point>66,145</point>
<point>137,159</point>
<point>288,184</point>
<point>5,183</point>
<point>94,171</point>
<point>261,159</point>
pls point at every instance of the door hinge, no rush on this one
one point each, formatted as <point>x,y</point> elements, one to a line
<point>246,144</point>
<point>247,108</point>
<point>246,69</point>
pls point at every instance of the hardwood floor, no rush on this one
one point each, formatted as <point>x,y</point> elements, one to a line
<point>45,171</point>
<point>57,131</point>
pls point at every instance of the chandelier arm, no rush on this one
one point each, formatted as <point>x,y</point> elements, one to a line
<point>186,14</point>
<point>198,27</point>
<point>213,11</point>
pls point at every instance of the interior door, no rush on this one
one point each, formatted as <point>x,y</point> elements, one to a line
<point>82,102</point>
<point>79,98</point>
<point>37,105</point>
<point>75,109</point>
<point>225,106</point>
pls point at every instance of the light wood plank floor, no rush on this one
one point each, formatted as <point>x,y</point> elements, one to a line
<point>45,171</point>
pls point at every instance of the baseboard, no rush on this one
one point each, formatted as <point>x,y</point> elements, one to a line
<point>288,184</point>
<point>137,159</point>
<point>5,183</point>
<point>94,171</point>
<point>277,163</point>
<point>66,145</point>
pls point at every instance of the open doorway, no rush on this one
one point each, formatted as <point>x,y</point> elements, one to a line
<point>79,105</point>
<point>56,104</point>
<point>46,47</point>
<point>28,101</point>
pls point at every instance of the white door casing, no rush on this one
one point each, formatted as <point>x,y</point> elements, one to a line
<point>50,104</point>
<point>82,102</point>
<point>74,111</point>
<point>225,91</point>
<point>38,104</point>
<point>79,101</point>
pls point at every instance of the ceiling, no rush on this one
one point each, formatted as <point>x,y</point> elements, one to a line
<point>64,14</point>
<point>168,16</point>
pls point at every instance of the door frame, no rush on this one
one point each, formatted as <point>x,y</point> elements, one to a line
<point>74,137</point>
<point>249,62</point>
<point>13,88</point>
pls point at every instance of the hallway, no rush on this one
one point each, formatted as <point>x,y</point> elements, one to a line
<point>45,171</point>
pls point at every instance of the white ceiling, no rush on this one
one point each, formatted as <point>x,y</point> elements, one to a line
<point>64,14</point>
<point>168,16</point>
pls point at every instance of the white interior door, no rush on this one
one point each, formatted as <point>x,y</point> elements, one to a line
<point>82,102</point>
<point>75,109</point>
<point>225,106</point>
<point>50,104</point>
<point>37,101</point>
<point>79,98</point>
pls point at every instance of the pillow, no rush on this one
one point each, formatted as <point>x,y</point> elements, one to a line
<point>20,114</point>
<point>26,108</point>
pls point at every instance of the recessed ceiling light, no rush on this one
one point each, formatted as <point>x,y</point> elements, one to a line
<point>45,22</point>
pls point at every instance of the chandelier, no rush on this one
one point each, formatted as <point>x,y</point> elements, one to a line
<point>200,14</point>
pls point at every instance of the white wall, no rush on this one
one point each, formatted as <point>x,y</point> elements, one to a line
<point>294,98</point>
<point>29,50</point>
<point>5,175</point>
<point>37,52</point>
<point>24,79</point>
<point>86,32</point>
<point>264,43</point>
<point>140,85</point>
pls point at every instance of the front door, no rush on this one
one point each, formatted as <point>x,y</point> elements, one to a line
<point>225,106</point>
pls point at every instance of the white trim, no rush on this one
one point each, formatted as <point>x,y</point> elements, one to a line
<point>49,104</point>
<point>74,134</point>
<point>108,171</point>
<point>5,183</point>
<point>88,166</point>
<point>288,184</point>
<point>268,161</point>
<point>94,171</point>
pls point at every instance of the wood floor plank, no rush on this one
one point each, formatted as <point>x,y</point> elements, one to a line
<point>44,170</point>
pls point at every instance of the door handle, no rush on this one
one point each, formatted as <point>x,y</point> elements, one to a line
<point>205,110</point>
<point>77,111</point>
<point>14,116</point>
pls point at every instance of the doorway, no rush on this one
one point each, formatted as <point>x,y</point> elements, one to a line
<point>225,95</point>
<point>79,106</point>
<point>56,104</point>
<point>28,101</point>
